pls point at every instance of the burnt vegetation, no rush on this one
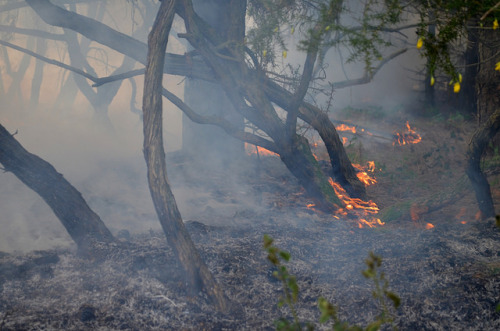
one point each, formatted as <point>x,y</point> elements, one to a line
<point>271,165</point>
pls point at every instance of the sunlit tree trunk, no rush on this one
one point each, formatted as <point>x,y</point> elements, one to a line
<point>199,276</point>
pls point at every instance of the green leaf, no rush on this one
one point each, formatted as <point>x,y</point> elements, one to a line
<point>285,255</point>
<point>374,326</point>
<point>394,297</point>
<point>268,241</point>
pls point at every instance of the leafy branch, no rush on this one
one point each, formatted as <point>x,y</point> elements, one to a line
<point>386,299</point>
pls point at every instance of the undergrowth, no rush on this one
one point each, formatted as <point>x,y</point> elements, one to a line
<point>381,294</point>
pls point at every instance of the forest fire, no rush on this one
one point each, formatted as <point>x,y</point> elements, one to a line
<point>357,207</point>
<point>406,138</point>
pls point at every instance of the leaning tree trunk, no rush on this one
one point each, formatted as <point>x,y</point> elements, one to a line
<point>342,170</point>
<point>477,145</point>
<point>198,273</point>
<point>82,224</point>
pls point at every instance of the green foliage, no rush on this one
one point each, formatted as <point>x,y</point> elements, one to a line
<point>317,22</point>
<point>444,23</point>
<point>328,311</point>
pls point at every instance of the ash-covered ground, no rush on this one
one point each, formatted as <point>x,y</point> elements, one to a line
<point>448,277</point>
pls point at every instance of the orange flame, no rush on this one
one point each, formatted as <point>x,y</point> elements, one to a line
<point>429,226</point>
<point>344,140</point>
<point>363,175</point>
<point>252,149</point>
<point>343,127</point>
<point>355,206</point>
<point>371,166</point>
<point>408,137</point>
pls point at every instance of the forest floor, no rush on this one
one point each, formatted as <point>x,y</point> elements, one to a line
<point>447,274</point>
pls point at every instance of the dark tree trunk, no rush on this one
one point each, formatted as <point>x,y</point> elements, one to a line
<point>430,97</point>
<point>199,276</point>
<point>83,225</point>
<point>210,146</point>
<point>342,170</point>
<point>468,97</point>
<point>477,146</point>
<point>488,80</point>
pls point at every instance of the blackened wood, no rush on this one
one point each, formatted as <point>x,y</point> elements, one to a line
<point>199,276</point>
<point>83,225</point>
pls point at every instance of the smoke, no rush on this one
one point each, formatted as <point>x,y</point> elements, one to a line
<point>104,161</point>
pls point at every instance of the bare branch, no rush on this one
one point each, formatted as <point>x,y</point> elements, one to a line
<point>368,76</point>
<point>489,11</point>
<point>50,61</point>
<point>32,32</point>
<point>125,75</point>
<point>227,126</point>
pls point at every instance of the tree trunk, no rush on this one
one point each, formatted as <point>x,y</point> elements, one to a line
<point>477,145</point>
<point>488,80</point>
<point>199,276</point>
<point>209,146</point>
<point>468,96</point>
<point>83,225</point>
<point>342,170</point>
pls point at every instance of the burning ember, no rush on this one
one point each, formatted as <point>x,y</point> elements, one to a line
<point>357,207</point>
<point>408,137</point>
<point>363,173</point>
<point>343,127</point>
<point>252,149</point>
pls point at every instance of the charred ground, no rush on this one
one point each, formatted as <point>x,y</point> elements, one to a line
<point>448,277</point>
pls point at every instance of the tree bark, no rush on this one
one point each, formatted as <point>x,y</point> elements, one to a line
<point>477,145</point>
<point>83,225</point>
<point>199,276</point>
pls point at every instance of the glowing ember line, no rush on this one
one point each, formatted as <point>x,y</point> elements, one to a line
<point>355,206</point>
<point>363,175</point>
<point>343,127</point>
<point>252,149</point>
<point>408,137</point>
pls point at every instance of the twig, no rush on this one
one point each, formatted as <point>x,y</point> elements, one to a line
<point>489,11</point>
<point>125,75</point>
<point>50,61</point>
<point>368,76</point>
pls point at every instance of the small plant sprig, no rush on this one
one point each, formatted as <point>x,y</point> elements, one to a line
<point>289,282</point>
<point>328,311</point>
